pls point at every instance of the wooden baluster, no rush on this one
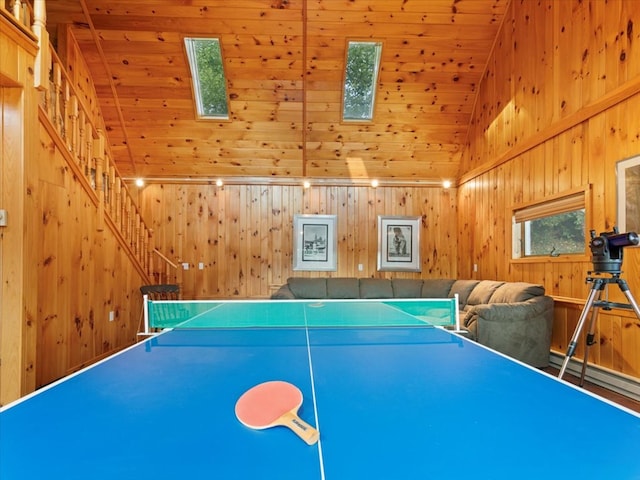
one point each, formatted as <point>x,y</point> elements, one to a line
<point>146,254</point>
<point>56,113</point>
<point>141,243</point>
<point>81,142</point>
<point>98,156</point>
<point>152,247</point>
<point>112,185</point>
<point>106,165</point>
<point>75,129</point>
<point>26,14</point>
<point>17,10</point>
<point>132,225</point>
<point>145,247</point>
<point>134,229</point>
<point>106,183</point>
<point>123,215</point>
<point>136,238</point>
<point>43,57</point>
<point>140,239</point>
<point>51,101</point>
<point>179,273</point>
<point>46,100</point>
<point>20,11</point>
<point>118,205</point>
<point>88,145</point>
<point>66,117</point>
<point>127,218</point>
<point>90,170</point>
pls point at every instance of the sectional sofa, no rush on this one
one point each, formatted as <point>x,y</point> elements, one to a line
<point>514,318</point>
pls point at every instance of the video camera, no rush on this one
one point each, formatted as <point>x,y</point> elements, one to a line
<point>606,249</point>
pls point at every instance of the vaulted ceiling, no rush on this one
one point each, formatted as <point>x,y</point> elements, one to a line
<point>284,62</point>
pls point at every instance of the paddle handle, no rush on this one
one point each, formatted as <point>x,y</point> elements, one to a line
<point>301,428</point>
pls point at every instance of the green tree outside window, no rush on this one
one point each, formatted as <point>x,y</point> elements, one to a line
<point>209,81</point>
<point>361,77</point>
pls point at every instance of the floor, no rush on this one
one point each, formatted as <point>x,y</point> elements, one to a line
<point>603,392</point>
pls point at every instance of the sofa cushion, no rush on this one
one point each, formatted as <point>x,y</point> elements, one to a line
<point>483,292</point>
<point>406,287</point>
<point>308,287</point>
<point>436,287</point>
<point>283,293</point>
<point>375,288</point>
<point>516,292</point>
<point>463,289</point>
<point>343,288</point>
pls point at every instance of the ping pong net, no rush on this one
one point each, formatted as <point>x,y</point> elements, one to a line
<point>190,314</point>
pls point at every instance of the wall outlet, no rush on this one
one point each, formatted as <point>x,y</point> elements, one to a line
<point>360,267</point>
<point>201,266</point>
<point>475,267</point>
<point>3,218</point>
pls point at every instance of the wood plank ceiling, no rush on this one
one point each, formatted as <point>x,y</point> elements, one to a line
<point>284,61</point>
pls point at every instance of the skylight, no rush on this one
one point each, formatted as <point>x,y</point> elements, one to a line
<point>361,78</point>
<point>209,81</point>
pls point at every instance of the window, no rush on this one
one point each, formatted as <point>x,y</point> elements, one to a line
<point>207,73</point>
<point>360,80</point>
<point>550,228</point>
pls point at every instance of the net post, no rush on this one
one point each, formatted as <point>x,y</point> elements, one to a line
<point>145,309</point>
<point>457,312</point>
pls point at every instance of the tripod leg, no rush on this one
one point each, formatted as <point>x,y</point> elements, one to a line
<point>598,285</point>
<point>627,293</point>
<point>588,341</point>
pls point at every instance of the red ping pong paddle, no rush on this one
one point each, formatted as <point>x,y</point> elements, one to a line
<point>272,404</point>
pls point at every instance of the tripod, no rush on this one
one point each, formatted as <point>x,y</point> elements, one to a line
<point>594,303</point>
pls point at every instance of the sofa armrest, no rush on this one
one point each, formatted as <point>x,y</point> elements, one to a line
<point>510,312</point>
<point>283,293</point>
<point>521,330</point>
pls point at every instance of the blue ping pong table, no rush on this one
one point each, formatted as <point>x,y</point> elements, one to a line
<point>392,397</point>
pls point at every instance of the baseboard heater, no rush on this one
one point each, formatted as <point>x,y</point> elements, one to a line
<point>615,381</point>
<point>603,377</point>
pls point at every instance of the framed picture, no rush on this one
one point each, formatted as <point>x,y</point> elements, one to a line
<point>628,178</point>
<point>399,244</point>
<point>314,242</point>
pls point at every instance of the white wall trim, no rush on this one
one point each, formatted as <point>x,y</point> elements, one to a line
<point>618,382</point>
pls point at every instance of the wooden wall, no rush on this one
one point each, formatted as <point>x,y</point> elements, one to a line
<point>64,265</point>
<point>284,62</point>
<point>18,117</point>
<point>243,233</point>
<point>83,273</point>
<point>557,108</point>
